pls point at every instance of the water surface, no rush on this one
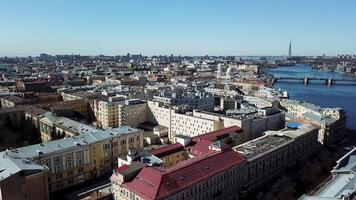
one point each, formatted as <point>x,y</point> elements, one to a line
<point>317,92</point>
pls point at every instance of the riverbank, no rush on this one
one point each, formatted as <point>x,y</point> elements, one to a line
<point>317,92</point>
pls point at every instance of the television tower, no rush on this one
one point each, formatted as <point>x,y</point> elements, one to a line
<point>290,50</point>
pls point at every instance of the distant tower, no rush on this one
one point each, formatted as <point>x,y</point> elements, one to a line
<point>290,50</point>
<point>219,71</point>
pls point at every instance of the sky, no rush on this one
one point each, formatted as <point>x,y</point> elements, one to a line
<point>179,27</point>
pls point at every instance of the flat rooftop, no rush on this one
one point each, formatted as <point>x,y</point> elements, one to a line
<point>271,140</point>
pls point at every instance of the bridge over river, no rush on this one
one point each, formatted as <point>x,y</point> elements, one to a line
<point>306,80</point>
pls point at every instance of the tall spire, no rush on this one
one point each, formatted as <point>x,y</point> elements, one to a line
<point>290,49</point>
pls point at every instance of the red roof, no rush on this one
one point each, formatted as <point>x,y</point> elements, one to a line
<point>200,148</point>
<point>166,150</point>
<point>213,136</point>
<point>122,168</point>
<point>153,183</point>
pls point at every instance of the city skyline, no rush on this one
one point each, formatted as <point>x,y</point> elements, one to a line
<point>179,28</point>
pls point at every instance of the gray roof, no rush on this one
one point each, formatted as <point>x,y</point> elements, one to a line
<point>33,151</point>
<point>343,182</point>
<point>10,166</point>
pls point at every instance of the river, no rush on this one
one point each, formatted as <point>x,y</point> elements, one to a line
<point>317,92</point>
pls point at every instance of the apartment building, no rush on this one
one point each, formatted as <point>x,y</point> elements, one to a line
<point>116,111</point>
<point>330,121</point>
<point>271,155</point>
<point>252,121</point>
<point>210,171</point>
<point>194,100</point>
<point>70,108</point>
<point>76,159</point>
<point>213,167</point>
<point>178,121</point>
<point>22,179</point>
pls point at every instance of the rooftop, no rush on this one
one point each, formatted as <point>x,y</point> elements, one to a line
<point>271,140</point>
<point>34,151</point>
<point>343,182</point>
<point>10,166</point>
<point>216,135</point>
<point>157,183</point>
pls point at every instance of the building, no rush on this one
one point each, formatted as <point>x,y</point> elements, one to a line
<point>70,108</point>
<point>210,171</point>
<point>22,179</point>
<point>194,100</point>
<point>272,154</point>
<point>342,185</point>
<point>15,114</point>
<point>12,101</point>
<point>252,121</point>
<point>209,166</point>
<point>70,161</point>
<point>179,122</point>
<point>116,111</point>
<point>331,121</point>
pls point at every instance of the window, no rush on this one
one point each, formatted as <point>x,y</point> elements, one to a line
<point>58,168</point>
<point>80,162</point>
<point>57,159</point>
<point>69,156</point>
<point>69,165</point>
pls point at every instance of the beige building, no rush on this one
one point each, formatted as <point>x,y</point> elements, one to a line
<point>330,121</point>
<point>76,159</point>
<point>270,156</point>
<point>116,111</point>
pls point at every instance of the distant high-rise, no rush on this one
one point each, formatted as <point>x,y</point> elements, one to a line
<point>290,50</point>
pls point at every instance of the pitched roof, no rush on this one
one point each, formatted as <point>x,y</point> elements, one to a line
<point>215,135</point>
<point>166,150</point>
<point>154,183</point>
<point>200,148</point>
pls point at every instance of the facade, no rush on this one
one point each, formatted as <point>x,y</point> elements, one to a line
<point>117,111</point>
<point>76,159</point>
<point>209,171</point>
<point>22,179</point>
<point>331,121</point>
<point>271,155</point>
<point>11,101</point>
<point>200,101</point>
<point>70,108</point>
<point>14,114</point>
<point>253,122</point>
<point>213,168</point>
<point>179,123</point>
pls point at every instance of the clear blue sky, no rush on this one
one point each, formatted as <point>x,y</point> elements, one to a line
<point>186,27</point>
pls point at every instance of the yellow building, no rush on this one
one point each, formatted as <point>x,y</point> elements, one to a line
<point>81,158</point>
<point>117,111</point>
